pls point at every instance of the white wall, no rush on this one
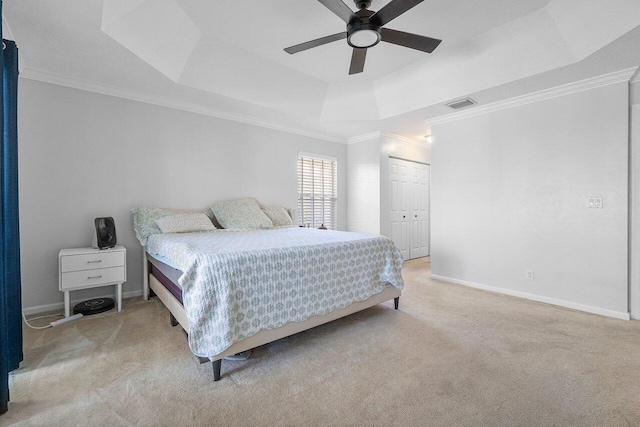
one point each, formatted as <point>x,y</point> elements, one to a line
<point>634,202</point>
<point>364,186</point>
<point>84,155</point>
<point>634,91</point>
<point>509,193</point>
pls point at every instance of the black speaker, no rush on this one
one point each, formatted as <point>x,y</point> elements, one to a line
<point>105,233</point>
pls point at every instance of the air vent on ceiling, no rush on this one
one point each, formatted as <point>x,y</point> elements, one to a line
<point>461,103</point>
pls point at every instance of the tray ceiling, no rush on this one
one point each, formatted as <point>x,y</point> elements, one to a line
<point>229,55</point>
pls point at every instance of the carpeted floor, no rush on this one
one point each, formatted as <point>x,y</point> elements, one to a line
<point>450,356</point>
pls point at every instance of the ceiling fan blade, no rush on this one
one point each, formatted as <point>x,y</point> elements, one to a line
<point>315,43</point>
<point>393,10</point>
<point>338,7</point>
<point>413,41</point>
<point>357,61</point>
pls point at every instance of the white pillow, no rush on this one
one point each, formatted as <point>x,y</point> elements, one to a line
<point>185,222</point>
<point>242,213</point>
<point>278,215</point>
<point>144,220</point>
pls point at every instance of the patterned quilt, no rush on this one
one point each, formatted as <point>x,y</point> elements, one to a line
<point>237,283</point>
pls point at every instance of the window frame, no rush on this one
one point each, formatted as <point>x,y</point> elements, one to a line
<point>312,197</point>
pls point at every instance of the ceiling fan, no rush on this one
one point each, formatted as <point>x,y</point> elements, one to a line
<point>364,30</point>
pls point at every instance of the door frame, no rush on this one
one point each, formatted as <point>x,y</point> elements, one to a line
<point>389,199</point>
<point>634,213</point>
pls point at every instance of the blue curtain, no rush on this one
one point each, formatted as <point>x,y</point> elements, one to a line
<point>10,288</point>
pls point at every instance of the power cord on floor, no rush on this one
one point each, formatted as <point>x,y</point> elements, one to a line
<point>41,317</point>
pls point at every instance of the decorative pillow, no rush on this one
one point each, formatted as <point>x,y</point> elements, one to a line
<point>144,220</point>
<point>278,215</point>
<point>185,222</point>
<point>242,213</point>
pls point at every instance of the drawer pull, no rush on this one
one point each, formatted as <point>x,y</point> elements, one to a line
<point>94,277</point>
<point>93,262</point>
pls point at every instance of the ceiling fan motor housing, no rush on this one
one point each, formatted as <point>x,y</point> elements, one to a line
<point>363,25</point>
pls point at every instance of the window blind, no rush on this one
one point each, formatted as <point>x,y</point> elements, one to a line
<point>317,192</point>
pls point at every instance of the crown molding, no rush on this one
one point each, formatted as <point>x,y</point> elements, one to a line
<point>59,80</point>
<point>582,85</point>
<point>379,135</point>
<point>636,76</point>
<point>364,137</point>
<point>412,141</point>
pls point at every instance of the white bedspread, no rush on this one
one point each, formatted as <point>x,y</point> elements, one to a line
<point>237,283</point>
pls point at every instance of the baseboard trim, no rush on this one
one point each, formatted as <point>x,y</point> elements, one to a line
<point>60,305</point>
<point>553,301</point>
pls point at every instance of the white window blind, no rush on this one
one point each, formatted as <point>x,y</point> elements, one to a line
<point>317,192</point>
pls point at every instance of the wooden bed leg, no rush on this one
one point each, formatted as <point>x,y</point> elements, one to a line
<point>217,365</point>
<point>145,275</point>
<point>173,320</point>
<point>396,302</point>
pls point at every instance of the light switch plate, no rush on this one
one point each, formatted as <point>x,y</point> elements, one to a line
<point>595,202</point>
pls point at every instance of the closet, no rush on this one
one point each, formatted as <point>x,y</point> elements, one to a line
<point>410,207</point>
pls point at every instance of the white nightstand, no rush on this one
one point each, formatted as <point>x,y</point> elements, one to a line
<point>83,268</point>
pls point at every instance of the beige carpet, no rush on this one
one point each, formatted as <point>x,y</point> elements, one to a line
<point>450,356</point>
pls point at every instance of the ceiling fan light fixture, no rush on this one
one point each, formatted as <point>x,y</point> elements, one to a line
<point>365,29</point>
<point>364,38</point>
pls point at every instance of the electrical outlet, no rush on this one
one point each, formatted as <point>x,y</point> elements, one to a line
<point>529,274</point>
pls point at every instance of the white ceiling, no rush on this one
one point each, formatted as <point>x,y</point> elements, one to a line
<point>304,20</point>
<point>226,57</point>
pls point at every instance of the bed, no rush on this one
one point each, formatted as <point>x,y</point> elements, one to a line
<point>234,290</point>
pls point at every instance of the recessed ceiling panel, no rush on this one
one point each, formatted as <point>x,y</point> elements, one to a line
<point>158,31</point>
<point>521,48</point>
<point>227,55</point>
<point>587,29</point>
<point>220,68</point>
<point>265,28</point>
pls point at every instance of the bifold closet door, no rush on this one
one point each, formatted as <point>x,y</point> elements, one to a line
<point>419,211</point>
<point>410,207</point>
<point>400,217</point>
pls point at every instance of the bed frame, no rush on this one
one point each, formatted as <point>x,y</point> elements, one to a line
<point>179,317</point>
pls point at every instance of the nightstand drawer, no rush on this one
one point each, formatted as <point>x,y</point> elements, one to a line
<point>91,261</point>
<point>91,278</point>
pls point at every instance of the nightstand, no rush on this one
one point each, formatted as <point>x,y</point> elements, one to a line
<point>84,268</point>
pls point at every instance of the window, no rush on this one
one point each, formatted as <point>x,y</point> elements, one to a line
<point>317,191</point>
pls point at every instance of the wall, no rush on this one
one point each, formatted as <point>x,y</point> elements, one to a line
<point>84,155</point>
<point>369,193</point>
<point>364,186</point>
<point>634,91</point>
<point>509,193</point>
<point>634,201</point>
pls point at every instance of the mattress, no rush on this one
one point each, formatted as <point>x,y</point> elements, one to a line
<point>237,283</point>
<point>166,274</point>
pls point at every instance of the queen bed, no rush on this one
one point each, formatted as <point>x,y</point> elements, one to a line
<point>234,290</point>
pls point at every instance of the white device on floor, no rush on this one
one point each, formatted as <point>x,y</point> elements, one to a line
<point>66,320</point>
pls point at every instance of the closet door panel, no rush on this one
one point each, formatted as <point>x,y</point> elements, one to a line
<point>399,175</point>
